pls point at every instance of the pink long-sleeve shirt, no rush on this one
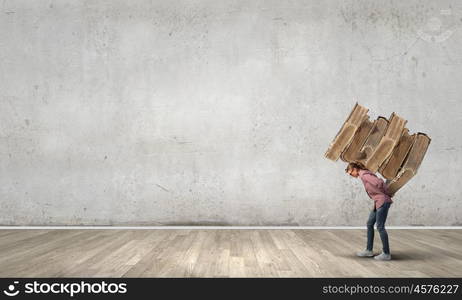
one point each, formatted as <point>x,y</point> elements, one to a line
<point>375,188</point>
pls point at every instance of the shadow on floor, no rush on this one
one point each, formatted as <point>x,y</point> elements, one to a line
<point>395,256</point>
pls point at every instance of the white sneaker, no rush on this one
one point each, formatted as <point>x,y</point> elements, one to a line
<point>365,253</point>
<point>383,256</point>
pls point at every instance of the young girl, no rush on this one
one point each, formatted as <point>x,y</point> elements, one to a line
<point>377,191</point>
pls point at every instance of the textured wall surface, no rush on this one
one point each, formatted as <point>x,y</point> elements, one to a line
<point>219,112</point>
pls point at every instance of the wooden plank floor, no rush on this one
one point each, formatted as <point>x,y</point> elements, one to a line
<point>225,253</point>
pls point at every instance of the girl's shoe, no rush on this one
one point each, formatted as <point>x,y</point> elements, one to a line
<point>383,256</point>
<point>365,253</point>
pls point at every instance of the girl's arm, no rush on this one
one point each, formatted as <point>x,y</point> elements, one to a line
<point>374,185</point>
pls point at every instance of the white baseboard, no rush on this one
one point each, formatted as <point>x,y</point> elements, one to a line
<point>223,227</point>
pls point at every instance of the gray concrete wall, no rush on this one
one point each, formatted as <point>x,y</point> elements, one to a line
<point>219,112</point>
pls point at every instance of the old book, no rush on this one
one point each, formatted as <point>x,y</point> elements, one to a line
<point>382,145</point>
<point>373,140</point>
<point>390,168</point>
<point>387,143</point>
<point>352,151</point>
<point>411,163</point>
<point>346,133</point>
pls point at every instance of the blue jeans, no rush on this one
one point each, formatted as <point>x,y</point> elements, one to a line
<point>379,215</point>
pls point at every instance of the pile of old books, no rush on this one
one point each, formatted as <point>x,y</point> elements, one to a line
<point>383,145</point>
